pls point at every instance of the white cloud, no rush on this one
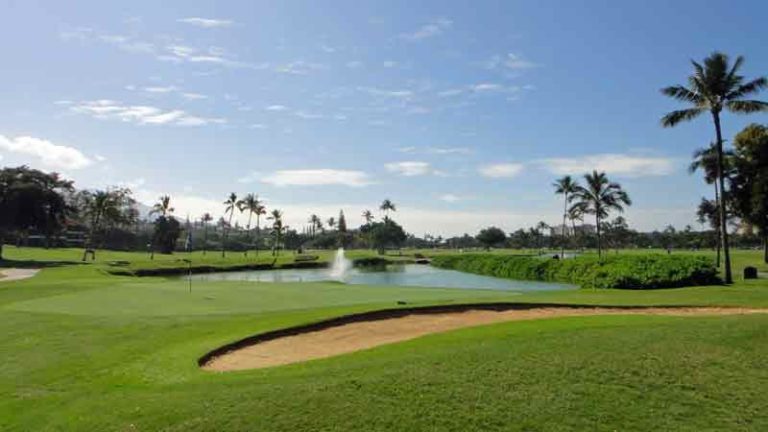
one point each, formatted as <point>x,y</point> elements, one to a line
<point>618,164</point>
<point>450,92</point>
<point>389,64</point>
<point>47,153</point>
<point>354,64</point>
<point>167,89</point>
<point>276,108</point>
<point>318,177</point>
<point>409,168</point>
<point>206,22</point>
<point>398,94</point>
<point>433,28</point>
<point>503,170</point>
<point>450,198</point>
<point>510,61</point>
<point>194,96</point>
<point>484,87</point>
<point>450,150</point>
<point>106,109</point>
<point>300,67</point>
<point>308,116</point>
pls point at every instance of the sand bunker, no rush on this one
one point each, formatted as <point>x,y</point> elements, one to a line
<point>13,274</point>
<point>365,331</point>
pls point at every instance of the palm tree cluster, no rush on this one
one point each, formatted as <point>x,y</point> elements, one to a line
<point>599,197</point>
<point>716,86</point>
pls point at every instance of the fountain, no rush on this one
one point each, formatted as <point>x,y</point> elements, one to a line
<point>340,265</point>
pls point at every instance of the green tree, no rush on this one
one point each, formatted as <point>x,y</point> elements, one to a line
<point>205,219</point>
<point>32,199</point>
<point>713,87</point>
<point>705,160</point>
<point>750,180</point>
<point>164,228</point>
<point>599,197</point>
<point>252,205</point>
<point>367,216</point>
<point>565,186</point>
<point>103,208</point>
<point>491,236</point>
<point>387,206</point>
<point>385,234</point>
<point>278,230</point>
<point>230,205</point>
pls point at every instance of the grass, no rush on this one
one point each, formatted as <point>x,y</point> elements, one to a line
<point>86,350</point>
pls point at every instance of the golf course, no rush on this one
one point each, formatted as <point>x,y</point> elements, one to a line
<point>84,349</point>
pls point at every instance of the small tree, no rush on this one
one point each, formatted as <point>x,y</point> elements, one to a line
<point>491,236</point>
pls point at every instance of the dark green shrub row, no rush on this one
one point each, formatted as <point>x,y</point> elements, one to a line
<point>625,272</point>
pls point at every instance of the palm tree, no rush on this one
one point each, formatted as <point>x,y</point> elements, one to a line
<point>599,197</point>
<point>102,208</point>
<point>367,216</point>
<point>276,216</point>
<point>566,187</point>
<point>164,209</point>
<point>331,222</point>
<point>259,210</point>
<point>205,219</point>
<point>229,207</point>
<point>162,206</point>
<point>387,206</point>
<point>315,224</point>
<point>250,204</point>
<point>706,160</point>
<point>714,86</point>
<point>575,213</point>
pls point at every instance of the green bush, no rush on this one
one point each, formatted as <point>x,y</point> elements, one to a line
<point>624,272</point>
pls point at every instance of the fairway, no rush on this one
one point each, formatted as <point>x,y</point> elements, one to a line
<point>74,331</point>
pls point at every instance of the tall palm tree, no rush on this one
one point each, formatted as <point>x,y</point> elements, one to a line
<point>162,206</point>
<point>205,219</point>
<point>250,204</point>
<point>713,87</point>
<point>331,222</point>
<point>367,216</point>
<point>705,159</point>
<point>575,213</point>
<point>386,206</point>
<point>315,224</point>
<point>259,210</point>
<point>164,209</point>
<point>229,207</point>
<point>566,187</point>
<point>600,197</point>
<point>278,229</point>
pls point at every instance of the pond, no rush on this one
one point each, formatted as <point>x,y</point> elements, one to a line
<point>413,275</point>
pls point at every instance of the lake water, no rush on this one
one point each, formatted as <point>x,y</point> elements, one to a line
<point>399,275</point>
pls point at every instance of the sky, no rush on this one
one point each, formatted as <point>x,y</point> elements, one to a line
<point>462,113</point>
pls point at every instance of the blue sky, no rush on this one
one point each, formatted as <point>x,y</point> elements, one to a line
<point>462,113</point>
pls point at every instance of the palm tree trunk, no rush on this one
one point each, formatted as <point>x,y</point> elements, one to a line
<point>258,233</point>
<point>248,235</point>
<point>565,221</point>
<point>597,222</point>
<point>721,207</point>
<point>717,228</point>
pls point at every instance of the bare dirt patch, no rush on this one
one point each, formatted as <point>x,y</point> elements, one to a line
<point>359,332</point>
<point>13,274</point>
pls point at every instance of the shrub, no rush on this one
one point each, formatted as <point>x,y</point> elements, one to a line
<point>624,272</point>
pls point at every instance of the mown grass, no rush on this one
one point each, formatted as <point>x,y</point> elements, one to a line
<point>85,350</point>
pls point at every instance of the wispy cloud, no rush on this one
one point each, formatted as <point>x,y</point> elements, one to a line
<point>140,114</point>
<point>450,198</point>
<point>299,67</point>
<point>45,152</point>
<point>318,177</point>
<point>431,29</point>
<point>502,170</point>
<point>397,93</point>
<point>206,22</point>
<point>449,150</point>
<point>409,168</point>
<point>276,108</point>
<point>611,163</point>
<point>509,61</point>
